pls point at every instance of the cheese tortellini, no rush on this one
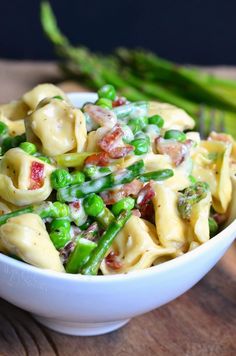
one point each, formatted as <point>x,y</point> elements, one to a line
<point>26,237</point>
<point>175,118</point>
<point>212,165</point>
<point>66,127</point>
<point>136,246</point>
<point>33,97</point>
<point>17,183</point>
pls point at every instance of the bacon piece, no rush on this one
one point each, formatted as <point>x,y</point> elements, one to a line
<point>102,116</point>
<point>119,101</point>
<point>146,194</point>
<point>75,205</point>
<point>112,261</point>
<point>113,145</point>
<point>144,202</point>
<point>99,159</point>
<point>120,152</point>
<point>176,150</point>
<point>147,212</point>
<point>220,218</point>
<point>114,195</point>
<point>36,175</point>
<point>110,140</point>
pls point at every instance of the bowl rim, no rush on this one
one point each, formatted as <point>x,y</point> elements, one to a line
<point>168,265</point>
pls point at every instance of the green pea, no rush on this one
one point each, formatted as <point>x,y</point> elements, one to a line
<point>175,135</point>
<point>60,210</point>
<point>90,170</point>
<point>93,205</point>
<point>141,146</point>
<point>156,120</point>
<point>3,129</point>
<point>44,159</point>
<point>60,223</point>
<point>107,91</point>
<point>123,204</point>
<point>104,102</point>
<point>59,238</point>
<point>77,177</point>
<point>60,178</point>
<point>138,124</point>
<point>28,147</point>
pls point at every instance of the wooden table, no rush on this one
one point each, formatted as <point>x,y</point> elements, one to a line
<point>201,322</point>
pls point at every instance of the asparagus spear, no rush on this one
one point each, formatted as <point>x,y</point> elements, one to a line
<point>75,159</point>
<point>80,255</point>
<point>157,175</point>
<point>92,69</point>
<point>190,196</point>
<point>105,242</point>
<point>71,193</point>
<point>204,86</point>
<point>44,210</point>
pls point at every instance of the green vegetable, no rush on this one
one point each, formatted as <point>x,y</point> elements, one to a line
<point>105,218</point>
<point>60,232</point>
<point>58,97</point>
<point>141,146</point>
<point>28,147</point>
<point>157,175</point>
<point>3,129</point>
<point>156,120</point>
<point>73,159</point>
<point>98,185</point>
<point>138,124</point>
<point>97,255</point>
<point>60,178</point>
<point>60,223</point>
<point>190,196</point>
<point>140,75</point>
<point>213,226</point>
<point>5,217</point>
<point>80,255</point>
<point>12,142</point>
<point>77,177</point>
<point>107,92</point>
<point>192,179</point>
<point>91,171</point>
<point>175,135</point>
<point>44,210</point>
<point>123,204</point>
<point>93,205</point>
<point>44,159</point>
<point>105,103</point>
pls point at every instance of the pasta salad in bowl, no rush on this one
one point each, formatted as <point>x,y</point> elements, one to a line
<point>100,189</point>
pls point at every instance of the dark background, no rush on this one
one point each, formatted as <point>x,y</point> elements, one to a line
<point>190,31</point>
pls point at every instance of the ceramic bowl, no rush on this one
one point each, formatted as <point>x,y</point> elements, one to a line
<point>93,305</point>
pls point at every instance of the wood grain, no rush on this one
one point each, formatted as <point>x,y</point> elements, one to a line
<point>201,322</point>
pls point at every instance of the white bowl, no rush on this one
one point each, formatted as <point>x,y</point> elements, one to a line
<point>93,305</point>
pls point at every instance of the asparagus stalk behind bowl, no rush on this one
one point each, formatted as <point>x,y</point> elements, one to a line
<point>96,71</point>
